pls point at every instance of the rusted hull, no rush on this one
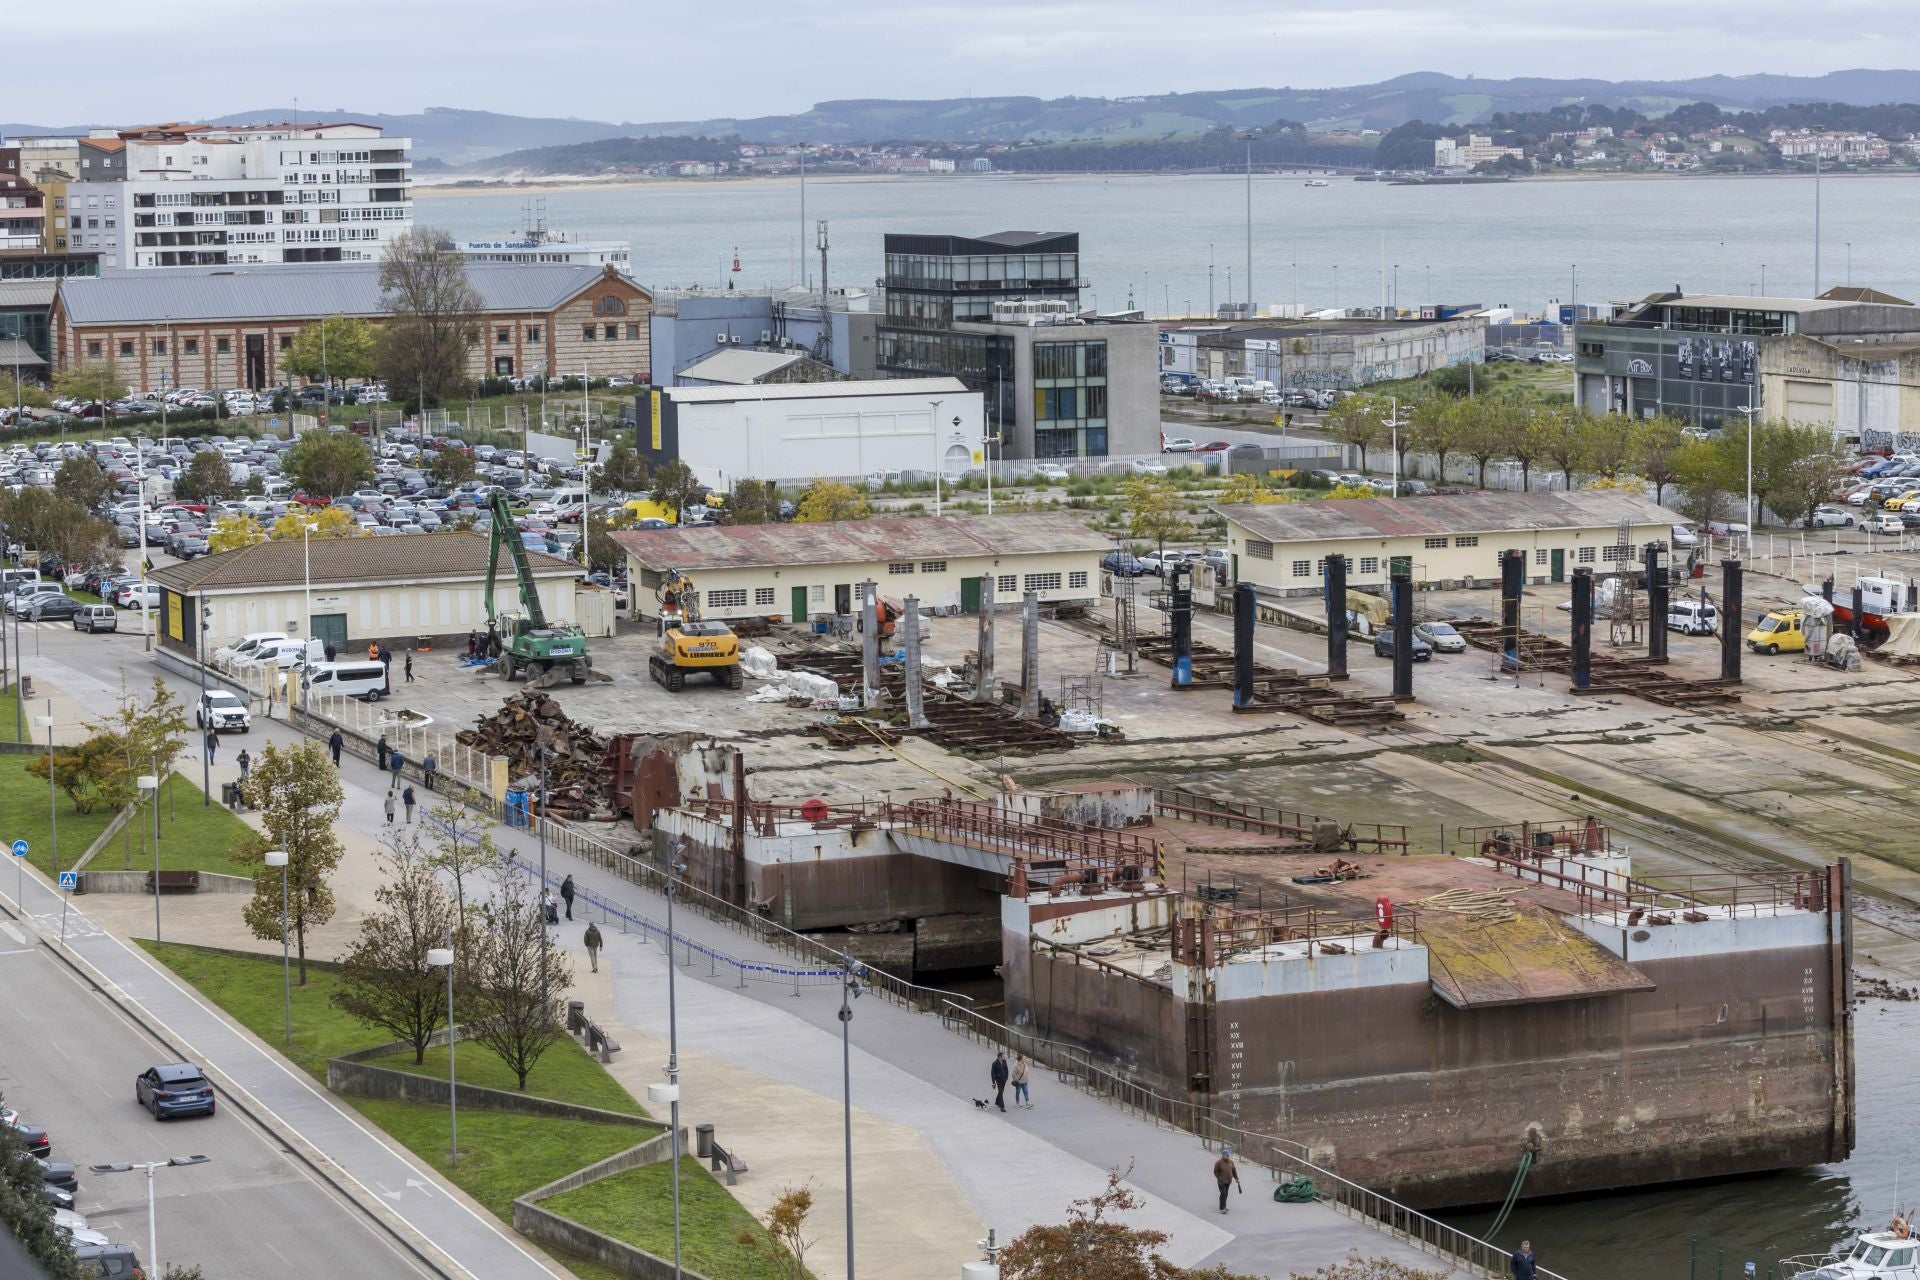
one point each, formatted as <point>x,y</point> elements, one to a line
<point>835,892</point>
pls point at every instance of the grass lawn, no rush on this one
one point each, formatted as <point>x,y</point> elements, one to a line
<point>10,708</point>
<point>566,1071</point>
<point>23,799</point>
<point>637,1206</point>
<point>193,836</point>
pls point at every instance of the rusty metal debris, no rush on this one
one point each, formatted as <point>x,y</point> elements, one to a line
<point>1636,676</point>
<point>577,773</point>
<point>1280,688</point>
<point>958,725</point>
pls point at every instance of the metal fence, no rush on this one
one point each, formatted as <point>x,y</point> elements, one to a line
<point>456,760</point>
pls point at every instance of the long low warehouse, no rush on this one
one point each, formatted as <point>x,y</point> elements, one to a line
<point>808,430</point>
<point>798,572</point>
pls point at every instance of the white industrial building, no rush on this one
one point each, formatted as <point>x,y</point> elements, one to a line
<point>797,572</point>
<point>211,195</point>
<point>805,431</point>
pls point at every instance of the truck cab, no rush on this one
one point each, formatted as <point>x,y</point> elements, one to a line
<point>1781,631</point>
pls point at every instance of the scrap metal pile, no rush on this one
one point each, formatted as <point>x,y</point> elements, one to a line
<point>578,779</point>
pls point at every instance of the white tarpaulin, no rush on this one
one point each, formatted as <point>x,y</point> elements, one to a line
<point>760,663</point>
<point>1903,635</point>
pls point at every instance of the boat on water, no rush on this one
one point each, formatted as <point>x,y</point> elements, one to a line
<point>1317,182</point>
<point>1892,1254</point>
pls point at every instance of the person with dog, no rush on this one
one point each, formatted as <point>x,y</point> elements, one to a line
<point>1226,1174</point>
<point>998,1074</point>
<point>1019,1081</point>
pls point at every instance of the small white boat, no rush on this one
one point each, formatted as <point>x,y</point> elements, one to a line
<point>1316,182</point>
<point>1893,1254</point>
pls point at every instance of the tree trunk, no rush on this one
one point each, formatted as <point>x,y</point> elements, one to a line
<point>1566,478</point>
<point>300,932</point>
<point>1442,477</point>
<point>1526,475</point>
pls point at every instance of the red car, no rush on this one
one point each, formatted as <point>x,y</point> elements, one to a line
<point>1214,446</point>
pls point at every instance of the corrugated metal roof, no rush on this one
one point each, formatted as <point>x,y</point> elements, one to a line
<point>415,557</point>
<point>739,368</point>
<point>1490,512</point>
<point>15,351</point>
<point>816,390</point>
<point>298,292</point>
<point>858,541</point>
<point>28,293</point>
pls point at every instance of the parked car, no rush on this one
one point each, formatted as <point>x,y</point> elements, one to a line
<point>176,1089</point>
<point>50,608</point>
<point>1148,467</point>
<point>1383,645</point>
<point>32,1136</point>
<point>109,1261</point>
<point>1440,635</point>
<point>1178,444</point>
<point>1828,516</point>
<point>95,617</point>
<point>1123,564</point>
<point>1214,446</point>
<point>1052,471</point>
<point>1886,522</point>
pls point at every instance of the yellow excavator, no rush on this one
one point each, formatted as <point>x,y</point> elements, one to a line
<point>689,645</point>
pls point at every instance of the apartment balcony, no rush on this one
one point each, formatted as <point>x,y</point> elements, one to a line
<point>12,242</point>
<point>387,195</point>
<point>389,157</point>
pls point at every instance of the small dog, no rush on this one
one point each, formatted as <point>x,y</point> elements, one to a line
<point>979,1104</point>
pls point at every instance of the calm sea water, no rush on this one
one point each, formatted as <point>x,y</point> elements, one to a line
<point>1150,237</point>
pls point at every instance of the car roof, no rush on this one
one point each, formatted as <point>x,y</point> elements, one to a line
<point>178,1071</point>
<point>213,694</point>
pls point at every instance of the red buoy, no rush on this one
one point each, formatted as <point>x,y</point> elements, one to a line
<point>814,809</point>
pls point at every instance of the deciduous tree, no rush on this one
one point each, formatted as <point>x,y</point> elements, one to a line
<point>1094,1244</point>
<point>83,482</point>
<point>754,502</point>
<point>384,977</point>
<point>1609,445</point>
<point>1247,489</point>
<point>1358,1268</point>
<point>1708,473</point>
<point>676,488</point>
<point>1153,510</point>
<point>96,380</point>
<point>517,978</point>
<point>786,1223</point>
<point>462,846</point>
<point>451,468</point>
<point>1562,435</point>
<point>433,316</point>
<point>1656,445</point>
<point>624,471</point>
<point>1359,421</point>
<point>298,793</point>
<point>326,522</point>
<point>826,500</point>
<point>1433,427</point>
<point>1481,433</point>
<point>1796,468</point>
<point>336,348</point>
<point>21,393</point>
<point>231,532</point>
<point>327,464</point>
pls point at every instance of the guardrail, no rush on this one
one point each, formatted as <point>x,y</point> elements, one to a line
<point>455,759</point>
<point>1246,815</point>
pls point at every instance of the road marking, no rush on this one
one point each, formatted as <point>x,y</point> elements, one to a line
<point>13,931</point>
<point>17,951</point>
<point>54,1041</point>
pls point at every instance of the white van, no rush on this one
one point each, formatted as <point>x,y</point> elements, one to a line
<point>1692,617</point>
<point>366,680</point>
<point>245,645</point>
<point>566,501</point>
<point>284,654</point>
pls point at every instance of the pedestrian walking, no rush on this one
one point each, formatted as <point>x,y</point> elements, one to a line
<point>385,750</point>
<point>213,744</point>
<point>332,652</point>
<point>386,659</point>
<point>409,666</point>
<point>389,808</point>
<point>998,1074</point>
<point>406,798</point>
<point>566,895</point>
<point>1524,1265</point>
<point>245,762</point>
<point>1226,1174</point>
<point>592,941</point>
<point>335,741</point>
<point>429,769</point>
<point>1019,1081</point>
<point>396,762</point>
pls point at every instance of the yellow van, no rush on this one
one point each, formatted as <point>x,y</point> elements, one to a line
<point>1782,631</point>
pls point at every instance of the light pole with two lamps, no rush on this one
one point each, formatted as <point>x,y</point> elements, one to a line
<point>148,1166</point>
<point>150,784</point>
<point>850,971</point>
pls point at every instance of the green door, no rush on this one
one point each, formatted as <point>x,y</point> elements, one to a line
<point>969,595</point>
<point>799,604</point>
<point>331,628</point>
<point>1400,564</point>
<point>1559,564</point>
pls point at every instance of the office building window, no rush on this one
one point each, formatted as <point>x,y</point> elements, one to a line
<point>1070,399</point>
<point>900,566</point>
<point>1077,580</point>
<point>762,596</point>
<point>1259,549</point>
<point>1436,544</point>
<point>1369,564</point>
<point>730,598</point>
<point>1043,582</point>
<point>126,348</point>
<point>933,566</point>
<point>1303,568</point>
<point>633,333</point>
<point>1004,584</point>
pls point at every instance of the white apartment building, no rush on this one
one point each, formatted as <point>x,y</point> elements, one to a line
<point>213,195</point>
<point>1476,148</point>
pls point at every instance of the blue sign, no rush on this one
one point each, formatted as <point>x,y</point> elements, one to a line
<point>19,848</point>
<point>69,879</point>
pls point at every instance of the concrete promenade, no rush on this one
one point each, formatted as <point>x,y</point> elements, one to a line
<point>931,1171</point>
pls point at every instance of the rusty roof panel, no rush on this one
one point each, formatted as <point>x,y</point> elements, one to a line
<point>858,541</point>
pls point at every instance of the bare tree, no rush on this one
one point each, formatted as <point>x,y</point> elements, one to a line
<point>384,977</point>
<point>298,793</point>
<point>517,980</point>
<point>463,845</point>
<point>433,316</point>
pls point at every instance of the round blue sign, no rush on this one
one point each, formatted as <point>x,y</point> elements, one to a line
<point>19,848</point>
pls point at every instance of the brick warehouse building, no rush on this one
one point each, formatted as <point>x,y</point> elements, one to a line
<point>228,327</point>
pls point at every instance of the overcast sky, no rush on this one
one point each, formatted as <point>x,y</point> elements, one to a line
<point>682,59</point>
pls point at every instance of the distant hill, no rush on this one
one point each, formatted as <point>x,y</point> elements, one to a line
<point>460,136</point>
<point>606,155</point>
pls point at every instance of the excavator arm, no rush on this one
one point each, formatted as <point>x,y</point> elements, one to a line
<point>505,530</point>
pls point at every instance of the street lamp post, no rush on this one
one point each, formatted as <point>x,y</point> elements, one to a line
<point>939,462</point>
<point>150,784</point>
<point>545,936</point>
<point>442,957</point>
<point>1248,139</point>
<point>850,971</point>
<point>53,814</point>
<point>148,1166</point>
<point>278,858</point>
<point>1749,411</point>
<point>669,1092</point>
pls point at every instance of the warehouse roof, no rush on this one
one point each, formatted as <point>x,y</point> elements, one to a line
<point>858,541</point>
<point>1490,512</point>
<point>417,557</point>
<point>740,368</point>
<point>299,291</point>
<point>817,390</point>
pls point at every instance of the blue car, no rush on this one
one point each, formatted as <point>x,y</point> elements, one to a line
<point>180,1089</point>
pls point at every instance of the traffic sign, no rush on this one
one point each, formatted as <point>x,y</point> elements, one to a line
<point>19,848</point>
<point>69,879</point>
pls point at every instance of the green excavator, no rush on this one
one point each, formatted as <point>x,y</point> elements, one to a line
<point>547,653</point>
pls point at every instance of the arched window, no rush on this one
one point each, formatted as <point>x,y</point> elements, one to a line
<point>611,306</point>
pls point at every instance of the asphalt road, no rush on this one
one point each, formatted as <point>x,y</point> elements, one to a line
<point>68,1059</point>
